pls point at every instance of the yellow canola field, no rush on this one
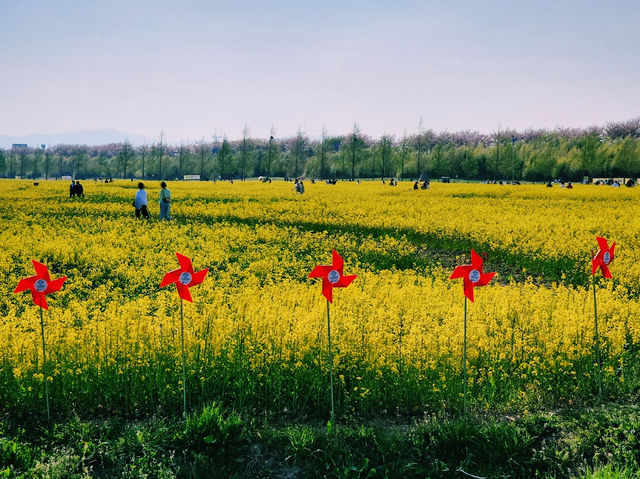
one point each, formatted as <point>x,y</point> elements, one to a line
<point>256,335</point>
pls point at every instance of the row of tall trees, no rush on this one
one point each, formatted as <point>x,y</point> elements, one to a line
<point>531,155</point>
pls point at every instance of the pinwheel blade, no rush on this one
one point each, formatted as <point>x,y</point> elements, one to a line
<point>476,260</point>
<point>198,277</point>
<point>25,284</point>
<point>39,299</point>
<point>484,279</point>
<point>320,272</point>
<point>459,272</point>
<point>345,281</point>
<point>468,289</point>
<point>327,290</point>
<point>170,277</point>
<point>338,262</point>
<point>185,263</point>
<point>602,243</point>
<point>55,285</point>
<point>605,271</point>
<point>41,270</point>
<point>183,292</point>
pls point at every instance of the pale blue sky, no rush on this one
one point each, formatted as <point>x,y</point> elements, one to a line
<point>193,68</point>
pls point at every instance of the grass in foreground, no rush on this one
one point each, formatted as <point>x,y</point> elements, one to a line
<point>594,443</point>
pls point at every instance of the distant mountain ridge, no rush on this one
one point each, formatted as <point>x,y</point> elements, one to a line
<point>85,137</point>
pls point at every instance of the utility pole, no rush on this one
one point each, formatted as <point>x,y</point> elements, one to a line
<point>161,154</point>
<point>269,157</point>
<point>47,161</point>
<point>420,133</point>
<point>214,152</point>
<point>513,159</point>
<point>322,151</point>
<point>143,152</point>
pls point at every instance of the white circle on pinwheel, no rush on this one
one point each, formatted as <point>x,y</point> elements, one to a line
<point>606,257</point>
<point>334,276</point>
<point>474,276</point>
<point>185,278</point>
<point>40,285</point>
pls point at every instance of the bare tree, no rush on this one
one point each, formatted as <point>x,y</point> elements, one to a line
<point>355,145</point>
<point>103,165</point>
<point>298,150</point>
<point>245,150</point>
<point>80,159</point>
<point>419,147</point>
<point>160,154</point>
<point>403,154</point>
<point>21,152</point>
<point>184,160</point>
<point>224,154</point>
<point>203,155</point>
<point>47,164</point>
<point>36,158</point>
<point>386,144</point>
<point>270,157</point>
<point>323,151</point>
<point>144,149</point>
<point>125,157</point>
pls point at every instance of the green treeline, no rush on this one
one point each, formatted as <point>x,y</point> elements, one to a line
<point>569,154</point>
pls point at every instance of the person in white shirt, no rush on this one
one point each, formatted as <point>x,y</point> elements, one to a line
<point>141,202</point>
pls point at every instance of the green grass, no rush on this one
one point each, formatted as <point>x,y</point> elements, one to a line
<point>598,443</point>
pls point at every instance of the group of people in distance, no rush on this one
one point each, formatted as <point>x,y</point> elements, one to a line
<point>76,189</point>
<point>141,202</point>
<point>562,185</point>
<point>424,186</point>
<point>299,186</point>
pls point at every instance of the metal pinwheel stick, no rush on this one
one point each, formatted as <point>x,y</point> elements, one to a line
<point>40,285</point>
<point>601,260</point>
<point>44,365</point>
<point>332,277</point>
<point>472,276</point>
<point>464,360</point>
<point>184,278</point>
<point>330,359</point>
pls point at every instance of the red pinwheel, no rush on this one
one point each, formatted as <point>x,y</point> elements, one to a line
<point>40,285</point>
<point>603,257</point>
<point>472,274</point>
<point>332,276</point>
<point>184,277</point>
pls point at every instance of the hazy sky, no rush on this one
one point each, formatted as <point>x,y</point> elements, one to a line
<point>192,68</point>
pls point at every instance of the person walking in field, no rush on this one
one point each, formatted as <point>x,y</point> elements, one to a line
<point>165,202</point>
<point>79,189</point>
<point>141,202</point>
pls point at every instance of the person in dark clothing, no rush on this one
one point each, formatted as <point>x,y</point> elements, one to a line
<point>79,190</point>
<point>415,185</point>
<point>72,189</point>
